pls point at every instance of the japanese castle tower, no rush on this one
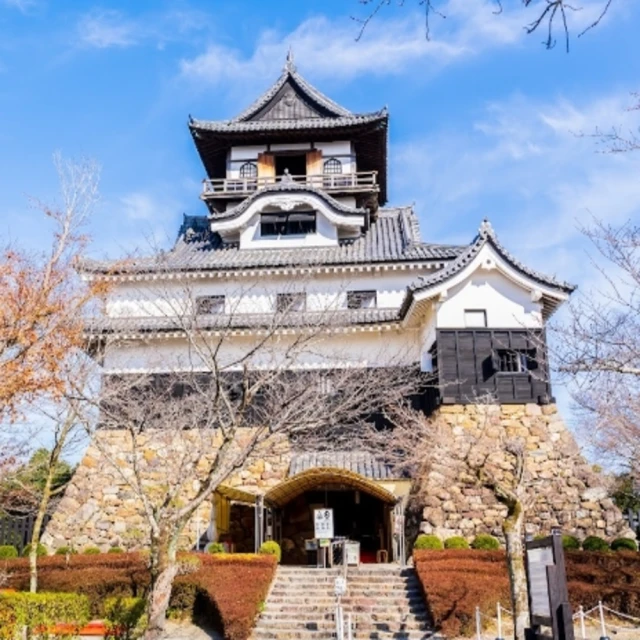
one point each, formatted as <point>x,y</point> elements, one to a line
<point>296,191</point>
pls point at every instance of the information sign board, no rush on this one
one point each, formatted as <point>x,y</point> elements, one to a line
<point>539,559</point>
<point>323,523</point>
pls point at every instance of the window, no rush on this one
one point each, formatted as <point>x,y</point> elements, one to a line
<point>475,318</point>
<point>209,305</point>
<point>249,170</point>
<point>333,166</point>
<point>515,360</point>
<point>291,302</point>
<point>287,224</point>
<point>361,300</point>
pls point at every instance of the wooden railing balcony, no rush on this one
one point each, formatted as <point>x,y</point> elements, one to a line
<point>357,182</point>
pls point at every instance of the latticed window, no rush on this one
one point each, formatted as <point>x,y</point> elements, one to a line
<point>291,302</point>
<point>249,170</point>
<point>515,361</point>
<point>333,166</point>
<point>361,300</point>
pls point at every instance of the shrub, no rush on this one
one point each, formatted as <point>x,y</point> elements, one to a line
<point>624,544</point>
<point>38,611</point>
<point>63,551</point>
<point>8,551</point>
<point>40,551</point>
<point>92,551</point>
<point>570,542</point>
<point>115,550</point>
<point>485,542</point>
<point>124,617</point>
<point>456,542</point>
<point>215,547</point>
<point>424,541</point>
<point>595,543</point>
<point>272,548</point>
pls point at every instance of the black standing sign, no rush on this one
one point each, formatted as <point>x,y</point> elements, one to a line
<point>549,606</point>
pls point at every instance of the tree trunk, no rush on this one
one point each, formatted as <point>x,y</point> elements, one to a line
<point>43,505</point>
<point>512,528</point>
<point>163,569</point>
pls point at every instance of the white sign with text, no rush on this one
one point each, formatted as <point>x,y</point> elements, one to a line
<point>323,523</point>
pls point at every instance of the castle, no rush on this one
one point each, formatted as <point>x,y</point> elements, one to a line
<point>297,185</point>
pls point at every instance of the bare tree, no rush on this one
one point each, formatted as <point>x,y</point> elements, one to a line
<point>239,385</point>
<point>620,139</point>
<point>488,459</point>
<point>550,15</point>
<point>598,347</point>
<point>42,297</point>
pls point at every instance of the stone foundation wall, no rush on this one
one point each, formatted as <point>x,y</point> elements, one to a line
<point>563,490</point>
<point>101,509</point>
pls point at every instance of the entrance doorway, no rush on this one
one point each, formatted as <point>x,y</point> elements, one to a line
<point>295,163</point>
<point>357,516</point>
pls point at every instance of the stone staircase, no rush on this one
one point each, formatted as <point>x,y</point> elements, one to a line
<point>385,603</point>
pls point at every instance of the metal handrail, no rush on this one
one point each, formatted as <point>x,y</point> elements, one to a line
<point>330,182</point>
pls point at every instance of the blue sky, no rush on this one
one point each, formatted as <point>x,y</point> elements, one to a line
<point>483,118</point>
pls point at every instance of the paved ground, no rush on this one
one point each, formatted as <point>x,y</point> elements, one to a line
<point>187,631</point>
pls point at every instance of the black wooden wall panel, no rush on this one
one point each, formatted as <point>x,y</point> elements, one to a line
<point>466,366</point>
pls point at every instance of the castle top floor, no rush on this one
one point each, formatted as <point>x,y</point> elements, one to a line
<point>293,132</point>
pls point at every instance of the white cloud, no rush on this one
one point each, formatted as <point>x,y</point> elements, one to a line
<point>106,29</point>
<point>525,166</point>
<point>391,44</point>
<point>20,5</point>
<point>142,205</point>
<point>103,29</point>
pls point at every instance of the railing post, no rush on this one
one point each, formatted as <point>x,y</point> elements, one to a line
<point>603,626</point>
<point>583,631</point>
<point>478,624</point>
<point>499,617</point>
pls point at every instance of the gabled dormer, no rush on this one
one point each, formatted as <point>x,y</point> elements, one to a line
<point>294,132</point>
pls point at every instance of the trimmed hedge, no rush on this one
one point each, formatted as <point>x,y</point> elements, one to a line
<point>456,542</point>
<point>125,618</point>
<point>40,552</point>
<point>272,548</point>
<point>41,611</point>
<point>595,543</point>
<point>63,551</point>
<point>485,542</point>
<point>215,547</point>
<point>624,544</point>
<point>455,581</point>
<point>428,542</point>
<point>227,588</point>
<point>8,551</point>
<point>570,543</point>
<point>92,551</point>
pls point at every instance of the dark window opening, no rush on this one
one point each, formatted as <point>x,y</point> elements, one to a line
<point>295,164</point>
<point>332,166</point>
<point>361,299</point>
<point>249,170</point>
<point>209,305</point>
<point>287,224</point>
<point>515,360</point>
<point>291,302</point>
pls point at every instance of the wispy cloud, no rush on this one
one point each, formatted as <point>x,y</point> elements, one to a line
<point>390,45</point>
<point>103,29</point>
<point>20,5</point>
<point>524,164</point>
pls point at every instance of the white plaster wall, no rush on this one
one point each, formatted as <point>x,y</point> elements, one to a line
<point>506,303</point>
<point>255,295</point>
<point>360,349</point>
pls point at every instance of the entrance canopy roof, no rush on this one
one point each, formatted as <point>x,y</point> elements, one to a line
<point>237,495</point>
<point>323,477</point>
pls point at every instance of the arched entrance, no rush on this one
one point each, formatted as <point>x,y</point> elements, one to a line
<point>363,511</point>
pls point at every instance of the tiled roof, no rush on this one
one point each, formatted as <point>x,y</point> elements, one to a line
<point>288,186</point>
<point>165,324</point>
<point>486,235</point>
<point>393,237</point>
<point>232,126</point>
<point>361,462</point>
<point>321,111</point>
